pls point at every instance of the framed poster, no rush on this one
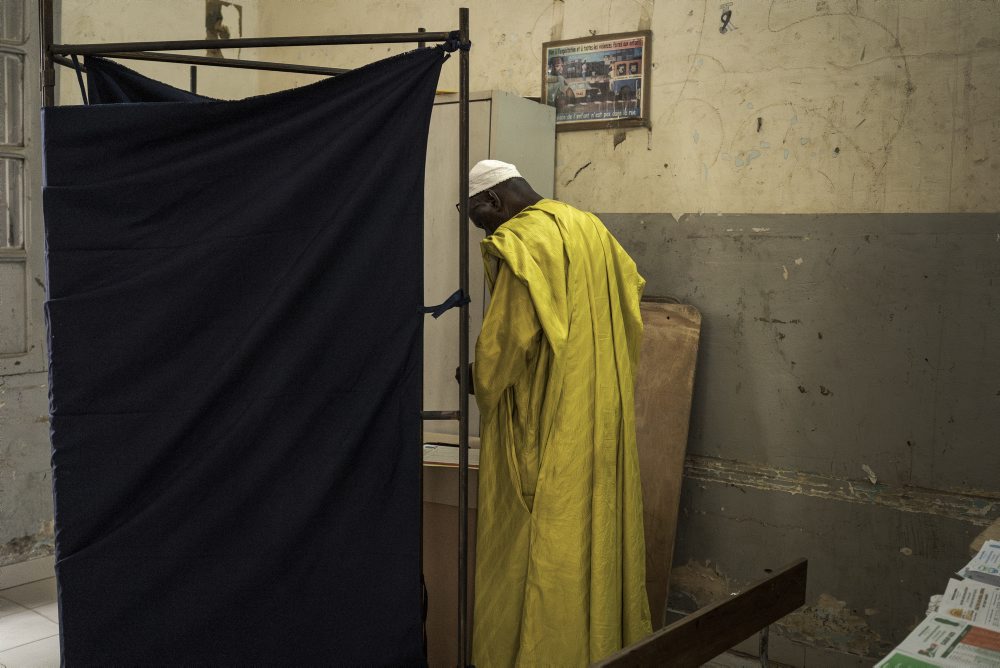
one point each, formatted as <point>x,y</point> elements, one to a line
<point>598,82</point>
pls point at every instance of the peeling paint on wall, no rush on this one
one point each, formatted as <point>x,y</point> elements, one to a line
<point>976,510</point>
<point>31,546</point>
<point>831,623</point>
<point>696,585</point>
<point>215,28</point>
<point>25,474</point>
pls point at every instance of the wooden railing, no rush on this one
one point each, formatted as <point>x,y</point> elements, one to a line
<point>708,632</point>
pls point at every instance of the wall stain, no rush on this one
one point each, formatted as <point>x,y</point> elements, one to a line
<point>646,15</point>
<point>558,14</point>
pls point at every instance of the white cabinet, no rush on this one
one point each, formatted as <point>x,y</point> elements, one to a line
<point>504,127</point>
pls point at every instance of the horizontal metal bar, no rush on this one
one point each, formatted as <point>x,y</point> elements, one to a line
<point>439,415</point>
<point>212,62</point>
<point>224,62</point>
<point>66,62</point>
<point>246,43</point>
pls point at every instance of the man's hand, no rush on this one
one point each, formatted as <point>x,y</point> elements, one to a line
<point>472,389</point>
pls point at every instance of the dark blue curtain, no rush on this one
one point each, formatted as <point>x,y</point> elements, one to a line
<point>111,83</point>
<point>234,343</point>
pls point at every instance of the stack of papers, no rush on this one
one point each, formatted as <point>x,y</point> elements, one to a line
<point>965,629</point>
<point>945,641</point>
<point>985,566</point>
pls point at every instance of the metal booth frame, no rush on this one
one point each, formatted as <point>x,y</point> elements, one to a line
<point>52,54</point>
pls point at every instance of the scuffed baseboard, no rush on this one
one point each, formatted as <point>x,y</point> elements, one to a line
<point>24,572</point>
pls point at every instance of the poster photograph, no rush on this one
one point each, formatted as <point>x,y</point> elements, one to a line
<point>598,82</point>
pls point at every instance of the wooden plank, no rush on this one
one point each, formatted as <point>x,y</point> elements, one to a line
<point>663,387</point>
<point>440,532</point>
<point>712,630</point>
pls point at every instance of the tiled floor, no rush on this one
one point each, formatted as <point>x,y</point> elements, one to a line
<point>29,625</point>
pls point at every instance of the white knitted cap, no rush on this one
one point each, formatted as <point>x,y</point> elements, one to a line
<point>488,173</point>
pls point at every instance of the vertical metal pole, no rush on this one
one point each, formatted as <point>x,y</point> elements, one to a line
<point>424,594</point>
<point>48,74</point>
<point>421,45</point>
<point>194,79</point>
<point>463,341</point>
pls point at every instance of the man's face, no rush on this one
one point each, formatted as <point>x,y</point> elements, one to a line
<point>485,211</point>
<point>559,66</point>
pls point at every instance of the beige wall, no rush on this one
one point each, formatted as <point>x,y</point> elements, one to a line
<point>905,90</point>
<point>864,106</point>
<point>86,21</point>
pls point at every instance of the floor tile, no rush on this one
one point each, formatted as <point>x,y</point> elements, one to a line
<point>50,611</point>
<point>9,607</point>
<point>33,594</point>
<point>25,627</point>
<point>38,654</point>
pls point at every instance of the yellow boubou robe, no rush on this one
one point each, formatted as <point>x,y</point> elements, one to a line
<point>560,572</point>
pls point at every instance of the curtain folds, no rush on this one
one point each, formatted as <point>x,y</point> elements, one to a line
<point>234,293</point>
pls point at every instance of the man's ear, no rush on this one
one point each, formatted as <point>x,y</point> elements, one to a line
<point>495,202</point>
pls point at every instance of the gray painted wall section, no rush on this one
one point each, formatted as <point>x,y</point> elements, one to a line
<point>846,406</point>
<point>26,528</point>
<point>25,478</point>
<point>865,592</point>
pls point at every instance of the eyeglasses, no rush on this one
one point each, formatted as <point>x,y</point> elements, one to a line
<point>458,205</point>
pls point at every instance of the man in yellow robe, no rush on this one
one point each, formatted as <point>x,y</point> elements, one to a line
<point>560,572</point>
